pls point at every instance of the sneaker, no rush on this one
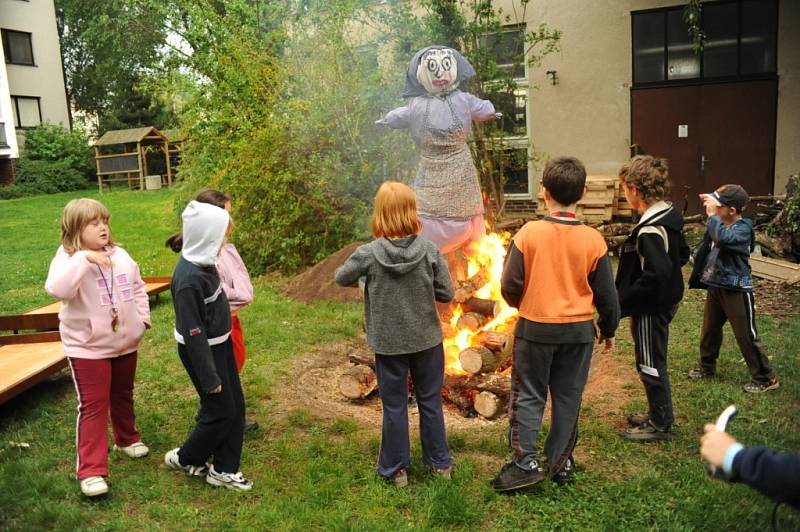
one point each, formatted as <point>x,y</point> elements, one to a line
<point>250,424</point>
<point>94,486</point>
<point>512,477</point>
<point>233,481</point>
<point>635,420</point>
<point>646,432</point>
<point>172,460</point>
<point>443,472</point>
<point>566,474</point>
<point>400,477</point>
<point>758,387</point>
<point>136,450</point>
<point>701,373</point>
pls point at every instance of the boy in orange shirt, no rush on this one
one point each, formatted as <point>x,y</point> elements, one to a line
<point>557,272</point>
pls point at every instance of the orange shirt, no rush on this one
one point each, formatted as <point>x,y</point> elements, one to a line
<point>558,260</point>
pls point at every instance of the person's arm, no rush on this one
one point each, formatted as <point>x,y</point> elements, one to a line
<point>354,267</point>
<point>480,110</point>
<point>733,238</point>
<point>656,267</point>
<point>66,272</point>
<point>512,282</point>
<point>396,118</point>
<point>141,297</point>
<point>601,280</point>
<point>190,310</point>
<point>234,278</point>
<point>443,289</point>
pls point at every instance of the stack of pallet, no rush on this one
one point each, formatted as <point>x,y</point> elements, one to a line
<point>604,201</point>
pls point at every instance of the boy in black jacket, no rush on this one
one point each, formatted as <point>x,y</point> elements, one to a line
<point>650,286</point>
<point>722,267</point>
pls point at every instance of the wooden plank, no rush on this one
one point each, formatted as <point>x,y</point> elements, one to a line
<point>775,269</point>
<point>23,364</point>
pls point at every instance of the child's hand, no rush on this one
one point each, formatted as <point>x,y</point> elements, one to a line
<point>714,444</point>
<point>218,389</point>
<point>711,205</point>
<point>100,258</point>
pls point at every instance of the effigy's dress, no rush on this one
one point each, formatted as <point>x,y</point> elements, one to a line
<point>448,190</point>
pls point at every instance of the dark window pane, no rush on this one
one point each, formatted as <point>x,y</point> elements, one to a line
<point>512,164</point>
<point>758,37</point>
<point>508,50</point>
<point>682,62</point>
<point>720,22</point>
<point>648,47</point>
<point>17,47</point>
<point>514,107</point>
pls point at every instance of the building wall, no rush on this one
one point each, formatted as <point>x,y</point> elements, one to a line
<point>7,121</point>
<point>46,78</point>
<point>587,113</point>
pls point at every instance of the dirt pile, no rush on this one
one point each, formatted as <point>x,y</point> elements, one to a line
<point>317,284</point>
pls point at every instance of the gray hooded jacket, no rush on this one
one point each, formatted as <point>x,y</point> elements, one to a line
<point>404,278</point>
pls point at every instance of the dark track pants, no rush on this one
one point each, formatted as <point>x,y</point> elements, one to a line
<point>427,373</point>
<point>219,428</point>
<point>650,339</point>
<point>739,309</point>
<point>564,369</point>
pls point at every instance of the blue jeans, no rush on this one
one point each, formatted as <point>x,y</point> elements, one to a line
<point>427,374</point>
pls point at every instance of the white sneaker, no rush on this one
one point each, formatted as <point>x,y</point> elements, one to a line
<point>94,486</point>
<point>135,450</point>
<point>234,481</point>
<point>172,460</point>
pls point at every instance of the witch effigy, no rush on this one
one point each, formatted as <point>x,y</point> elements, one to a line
<point>439,117</point>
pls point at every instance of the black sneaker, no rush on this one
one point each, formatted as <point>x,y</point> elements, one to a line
<point>512,477</point>
<point>636,420</point>
<point>646,432</point>
<point>701,373</point>
<point>566,475</point>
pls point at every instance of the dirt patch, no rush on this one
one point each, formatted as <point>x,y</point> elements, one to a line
<point>317,284</point>
<point>317,390</point>
<point>777,299</point>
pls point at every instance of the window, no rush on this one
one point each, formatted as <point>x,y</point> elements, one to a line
<point>741,42</point>
<point>27,111</point>
<point>17,46</point>
<point>3,141</point>
<point>512,163</point>
<point>514,106</point>
<point>508,50</point>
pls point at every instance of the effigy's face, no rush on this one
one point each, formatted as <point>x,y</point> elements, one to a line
<point>437,71</point>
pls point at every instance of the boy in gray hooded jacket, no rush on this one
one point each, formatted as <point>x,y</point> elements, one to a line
<point>405,275</point>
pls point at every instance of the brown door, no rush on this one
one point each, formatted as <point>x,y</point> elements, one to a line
<point>730,135</point>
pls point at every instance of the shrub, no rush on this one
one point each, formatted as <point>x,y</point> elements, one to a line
<point>53,142</point>
<point>47,177</point>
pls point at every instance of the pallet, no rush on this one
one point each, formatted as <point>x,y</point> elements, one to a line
<point>775,269</point>
<point>603,201</point>
<point>28,359</point>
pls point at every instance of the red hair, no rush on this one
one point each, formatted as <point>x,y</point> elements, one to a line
<point>395,214</point>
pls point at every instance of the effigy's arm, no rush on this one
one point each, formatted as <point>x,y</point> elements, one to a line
<point>480,110</point>
<point>399,118</point>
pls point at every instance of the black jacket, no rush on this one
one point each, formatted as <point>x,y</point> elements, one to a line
<point>649,277</point>
<point>723,258</point>
<point>202,317</point>
<point>774,474</point>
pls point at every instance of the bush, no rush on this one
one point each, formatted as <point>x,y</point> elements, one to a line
<point>44,177</point>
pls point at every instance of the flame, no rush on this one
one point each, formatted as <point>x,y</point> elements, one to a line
<point>487,254</point>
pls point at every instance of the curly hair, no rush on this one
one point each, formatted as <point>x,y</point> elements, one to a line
<point>649,175</point>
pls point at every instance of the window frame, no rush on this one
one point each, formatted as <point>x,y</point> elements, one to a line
<point>7,48</point>
<point>702,78</point>
<point>16,114</point>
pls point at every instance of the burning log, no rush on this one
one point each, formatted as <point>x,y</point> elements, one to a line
<point>364,358</point>
<point>486,307</point>
<point>477,359</point>
<point>358,382</point>
<point>466,289</point>
<point>471,320</point>
<point>497,342</point>
<point>447,330</point>
<point>488,405</point>
<point>485,394</point>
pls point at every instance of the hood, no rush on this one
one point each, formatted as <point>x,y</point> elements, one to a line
<point>399,256</point>
<point>662,213</point>
<point>415,88</point>
<point>204,228</point>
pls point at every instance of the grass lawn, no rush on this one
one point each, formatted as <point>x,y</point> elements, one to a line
<point>313,473</point>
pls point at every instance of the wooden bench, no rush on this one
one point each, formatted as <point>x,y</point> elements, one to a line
<point>28,359</point>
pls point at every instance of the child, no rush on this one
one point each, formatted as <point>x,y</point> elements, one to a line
<point>104,313</point>
<point>722,266</point>
<point>405,275</point>
<point>203,330</point>
<point>650,286</point>
<point>234,277</point>
<point>556,273</point>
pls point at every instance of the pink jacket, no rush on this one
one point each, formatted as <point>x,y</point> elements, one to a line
<point>235,279</point>
<point>85,316</point>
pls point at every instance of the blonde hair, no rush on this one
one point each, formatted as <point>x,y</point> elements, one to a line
<point>76,216</point>
<point>395,214</point>
<point>648,174</point>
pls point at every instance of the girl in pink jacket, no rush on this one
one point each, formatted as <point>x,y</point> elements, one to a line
<point>104,313</point>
